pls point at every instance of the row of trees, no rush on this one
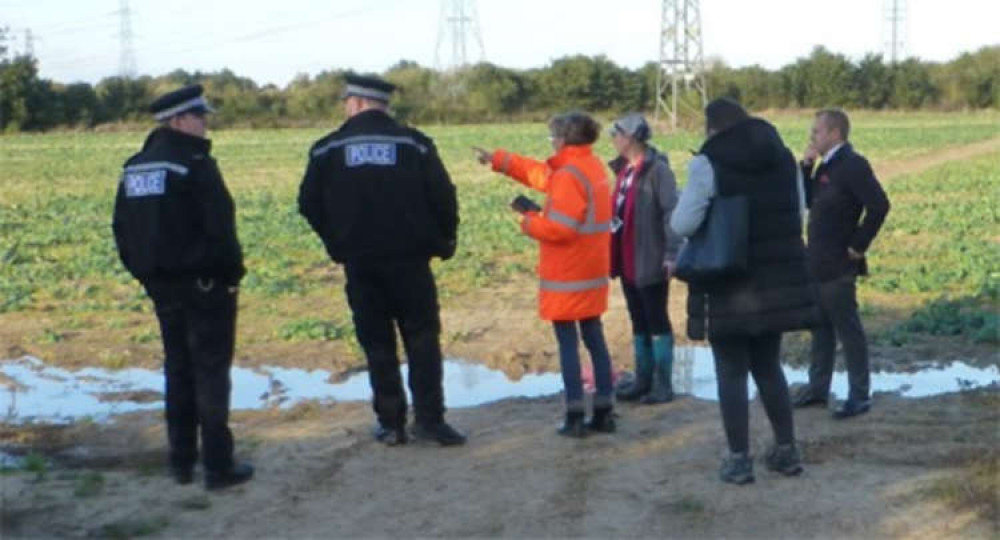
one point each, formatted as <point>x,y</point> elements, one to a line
<point>485,92</point>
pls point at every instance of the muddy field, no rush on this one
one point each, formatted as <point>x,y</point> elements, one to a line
<point>910,469</point>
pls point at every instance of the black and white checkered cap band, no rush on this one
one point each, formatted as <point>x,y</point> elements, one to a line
<point>196,102</point>
<point>361,91</point>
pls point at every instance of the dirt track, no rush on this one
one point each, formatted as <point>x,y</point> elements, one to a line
<point>900,471</point>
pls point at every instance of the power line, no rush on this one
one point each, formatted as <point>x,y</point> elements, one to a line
<point>82,22</point>
<point>186,45</point>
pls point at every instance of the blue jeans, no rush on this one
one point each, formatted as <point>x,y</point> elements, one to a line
<point>569,360</point>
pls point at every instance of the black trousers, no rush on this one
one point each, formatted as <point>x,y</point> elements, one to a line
<point>198,327</point>
<point>759,355</point>
<point>839,304</point>
<point>384,294</point>
<point>647,308</point>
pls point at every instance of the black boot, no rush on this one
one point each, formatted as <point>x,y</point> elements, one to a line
<point>603,420</point>
<point>439,432</point>
<point>643,371</point>
<point>237,474</point>
<point>390,435</point>
<point>574,425</point>
<point>784,458</point>
<point>737,469</point>
<point>182,474</point>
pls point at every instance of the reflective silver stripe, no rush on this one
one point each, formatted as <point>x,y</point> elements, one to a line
<point>505,166</point>
<point>183,106</point>
<point>595,228</point>
<point>582,178</point>
<point>590,224</point>
<point>572,286</point>
<point>360,91</point>
<point>368,138</point>
<point>563,219</point>
<point>156,165</point>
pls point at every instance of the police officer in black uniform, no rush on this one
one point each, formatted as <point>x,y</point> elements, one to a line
<point>175,230</point>
<point>379,197</point>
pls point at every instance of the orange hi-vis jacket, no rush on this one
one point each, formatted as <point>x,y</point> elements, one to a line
<point>573,230</point>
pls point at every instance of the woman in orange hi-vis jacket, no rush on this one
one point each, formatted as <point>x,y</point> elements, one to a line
<point>573,231</point>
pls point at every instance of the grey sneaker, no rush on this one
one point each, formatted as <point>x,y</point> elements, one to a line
<point>784,458</point>
<point>737,469</point>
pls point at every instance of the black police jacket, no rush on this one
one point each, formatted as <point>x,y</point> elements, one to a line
<point>173,216</point>
<point>376,189</point>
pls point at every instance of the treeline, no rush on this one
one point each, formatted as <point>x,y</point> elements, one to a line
<point>489,93</point>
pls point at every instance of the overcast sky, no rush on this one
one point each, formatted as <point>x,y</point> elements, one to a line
<point>273,41</point>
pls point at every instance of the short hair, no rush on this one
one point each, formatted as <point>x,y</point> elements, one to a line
<point>837,119</point>
<point>575,128</point>
<point>724,113</point>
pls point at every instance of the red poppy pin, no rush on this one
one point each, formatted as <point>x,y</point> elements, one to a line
<point>824,179</point>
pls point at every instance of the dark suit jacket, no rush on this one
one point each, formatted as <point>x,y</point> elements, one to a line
<point>838,193</point>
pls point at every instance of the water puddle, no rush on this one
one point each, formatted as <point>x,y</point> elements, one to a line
<point>34,391</point>
<point>31,391</point>
<point>694,373</point>
<point>10,461</point>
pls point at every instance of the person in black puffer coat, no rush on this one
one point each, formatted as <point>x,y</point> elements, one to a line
<point>744,317</point>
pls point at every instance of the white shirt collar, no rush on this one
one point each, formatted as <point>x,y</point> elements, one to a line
<point>829,155</point>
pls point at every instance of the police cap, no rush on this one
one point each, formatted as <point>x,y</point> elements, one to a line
<point>186,100</point>
<point>367,87</point>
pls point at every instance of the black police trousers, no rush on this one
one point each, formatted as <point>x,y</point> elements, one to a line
<point>198,327</point>
<point>384,293</point>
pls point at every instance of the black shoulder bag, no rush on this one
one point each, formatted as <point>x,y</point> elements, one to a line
<point>718,249</point>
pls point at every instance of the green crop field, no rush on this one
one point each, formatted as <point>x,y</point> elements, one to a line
<point>58,263</point>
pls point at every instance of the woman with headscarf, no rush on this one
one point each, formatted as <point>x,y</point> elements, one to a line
<point>643,250</point>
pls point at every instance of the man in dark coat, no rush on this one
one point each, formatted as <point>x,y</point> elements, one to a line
<point>175,230</point>
<point>847,208</point>
<point>379,197</point>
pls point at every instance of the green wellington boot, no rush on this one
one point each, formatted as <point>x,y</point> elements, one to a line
<point>663,365</point>
<point>643,382</point>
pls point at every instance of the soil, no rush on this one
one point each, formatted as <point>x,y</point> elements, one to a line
<point>909,468</point>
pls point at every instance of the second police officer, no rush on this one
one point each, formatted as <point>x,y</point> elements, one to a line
<point>379,197</point>
<point>175,230</point>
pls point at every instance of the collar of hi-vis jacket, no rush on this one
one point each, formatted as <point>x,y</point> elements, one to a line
<point>567,154</point>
